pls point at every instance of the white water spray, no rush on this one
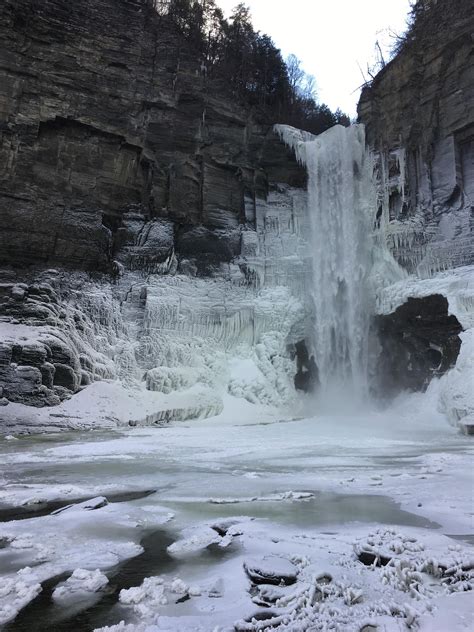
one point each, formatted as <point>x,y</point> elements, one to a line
<point>342,207</point>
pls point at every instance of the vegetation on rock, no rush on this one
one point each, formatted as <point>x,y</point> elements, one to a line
<point>248,61</point>
<point>430,16</point>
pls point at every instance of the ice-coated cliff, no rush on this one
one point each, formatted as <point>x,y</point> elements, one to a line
<point>150,348</point>
<point>419,116</point>
<point>153,230</point>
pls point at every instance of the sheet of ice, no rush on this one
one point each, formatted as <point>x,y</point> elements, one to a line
<point>109,404</point>
<point>296,478</point>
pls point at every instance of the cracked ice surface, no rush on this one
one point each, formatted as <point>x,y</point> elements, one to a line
<point>79,539</point>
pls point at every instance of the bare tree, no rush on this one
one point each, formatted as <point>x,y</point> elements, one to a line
<point>295,72</point>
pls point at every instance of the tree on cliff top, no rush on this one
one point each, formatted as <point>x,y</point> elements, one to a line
<point>250,64</point>
<point>426,16</point>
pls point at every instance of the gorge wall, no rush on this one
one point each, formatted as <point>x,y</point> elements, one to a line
<point>151,225</point>
<point>419,118</point>
<point>108,122</point>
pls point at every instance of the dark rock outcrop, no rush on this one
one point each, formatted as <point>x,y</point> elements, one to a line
<point>419,341</point>
<point>307,375</point>
<point>115,145</point>
<point>271,570</point>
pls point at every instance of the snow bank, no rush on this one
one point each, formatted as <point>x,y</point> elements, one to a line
<point>456,285</point>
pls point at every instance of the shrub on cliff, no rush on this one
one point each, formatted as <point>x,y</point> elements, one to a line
<point>428,16</point>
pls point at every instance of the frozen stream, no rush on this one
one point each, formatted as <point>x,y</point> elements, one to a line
<point>306,487</point>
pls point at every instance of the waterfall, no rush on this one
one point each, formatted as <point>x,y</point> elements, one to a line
<point>341,199</point>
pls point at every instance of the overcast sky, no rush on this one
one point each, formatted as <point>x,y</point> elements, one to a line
<point>331,37</point>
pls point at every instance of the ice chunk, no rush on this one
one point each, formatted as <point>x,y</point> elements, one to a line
<point>197,540</point>
<point>81,581</point>
<point>87,505</point>
<point>16,592</point>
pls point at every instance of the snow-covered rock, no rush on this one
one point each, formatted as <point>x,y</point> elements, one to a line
<point>81,582</point>
<point>271,570</point>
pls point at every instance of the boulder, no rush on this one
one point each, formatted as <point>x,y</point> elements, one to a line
<point>419,341</point>
<point>271,569</point>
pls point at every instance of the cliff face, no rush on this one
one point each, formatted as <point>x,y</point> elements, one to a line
<point>151,228</point>
<point>108,123</point>
<point>419,117</point>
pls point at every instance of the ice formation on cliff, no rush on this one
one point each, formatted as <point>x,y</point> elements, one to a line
<point>427,224</point>
<point>455,392</point>
<point>164,344</point>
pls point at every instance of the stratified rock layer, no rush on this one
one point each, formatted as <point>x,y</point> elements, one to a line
<point>115,144</point>
<point>419,117</point>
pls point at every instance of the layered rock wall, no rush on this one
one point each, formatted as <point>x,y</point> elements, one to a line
<point>108,122</point>
<point>419,117</point>
<point>152,227</point>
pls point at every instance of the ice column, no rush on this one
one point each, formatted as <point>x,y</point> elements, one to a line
<point>341,198</point>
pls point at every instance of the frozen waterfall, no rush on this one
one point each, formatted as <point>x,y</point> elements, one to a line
<point>341,198</point>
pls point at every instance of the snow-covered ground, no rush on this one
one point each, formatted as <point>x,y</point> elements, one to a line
<point>237,505</point>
